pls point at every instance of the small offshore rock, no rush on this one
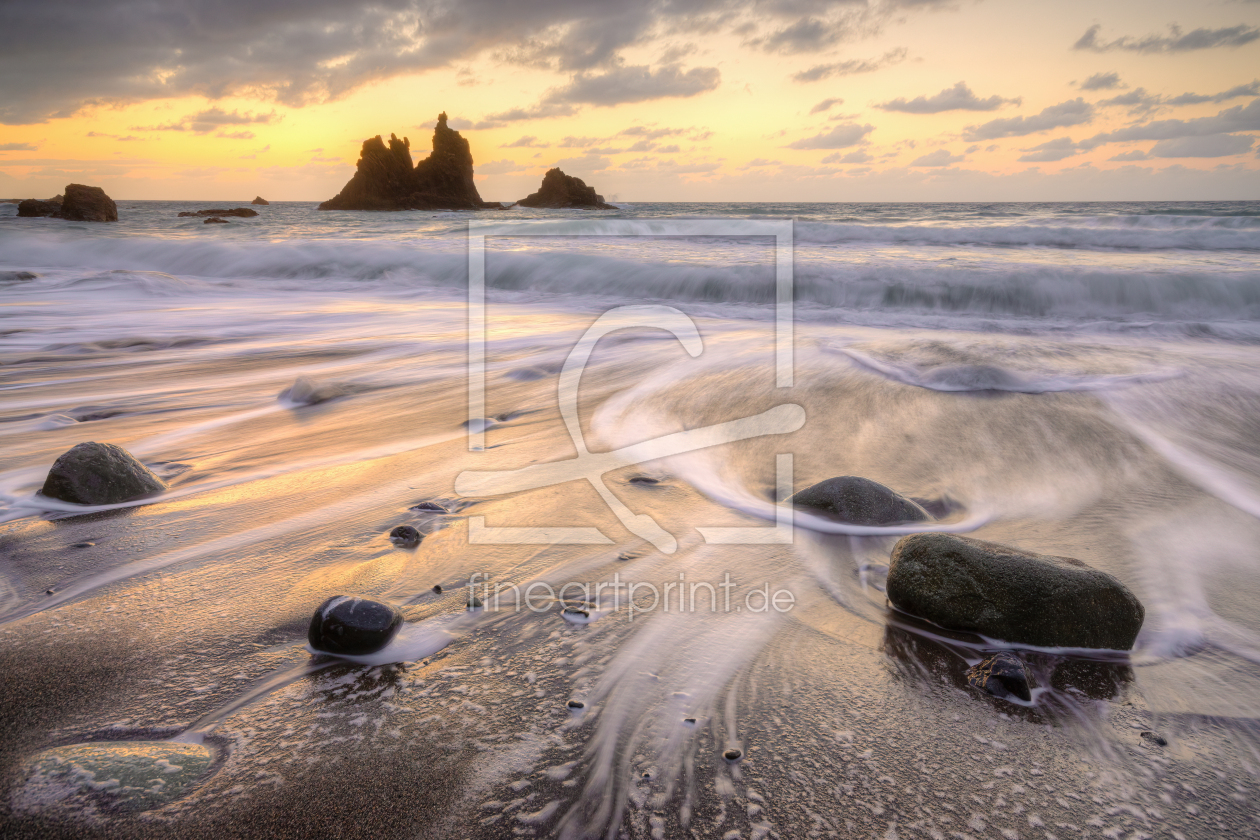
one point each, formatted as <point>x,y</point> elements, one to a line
<point>242,212</point>
<point>100,474</point>
<point>1005,593</point>
<point>1155,738</point>
<point>259,200</point>
<point>1002,675</point>
<point>437,589</point>
<point>576,704</point>
<point>560,191</point>
<point>732,755</point>
<point>405,535</point>
<point>97,778</point>
<point>87,204</point>
<point>352,626</point>
<point>215,220</point>
<point>34,208</point>
<point>860,501</point>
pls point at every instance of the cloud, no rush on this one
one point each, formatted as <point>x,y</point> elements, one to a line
<point>636,84</point>
<point>840,137</point>
<point>1238,118</point>
<point>1136,154</point>
<point>1072,112</point>
<point>1209,146</point>
<point>1138,101</point>
<point>859,156</point>
<point>957,98</point>
<point>671,149</point>
<point>586,163</point>
<point>500,167</point>
<point>651,132</point>
<point>851,67</point>
<point>527,141</point>
<point>1052,150</point>
<point>203,122</point>
<point>805,35</point>
<point>236,135</point>
<point>826,104</point>
<point>941,157</point>
<point>1175,41</point>
<point>18,147</point>
<point>1101,81</point>
<point>1250,89</point>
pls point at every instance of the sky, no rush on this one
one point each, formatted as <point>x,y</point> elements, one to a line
<point>670,100</point>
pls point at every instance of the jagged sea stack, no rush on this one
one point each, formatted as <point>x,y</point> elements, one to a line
<point>386,180</point>
<point>565,192</point>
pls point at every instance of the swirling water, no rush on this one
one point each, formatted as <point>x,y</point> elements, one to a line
<point>1081,380</point>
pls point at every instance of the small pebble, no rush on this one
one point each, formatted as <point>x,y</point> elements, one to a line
<point>1155,738</point>
<point>432,507</point>
<point>689,720</point>
<point>474,603</point>
<point>576,613</point>
<point>405,535</point>
<point>437,587</point>
<point>83,545</point>
<point>732,755</point>
<point>645,479</point>
<point>576,704</point>
<point>48,592</point>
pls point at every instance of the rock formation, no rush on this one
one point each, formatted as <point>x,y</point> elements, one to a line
<point>243,212</point>
<point>79,203</point>
<point>258,199</point>
<point>386,180</point>
<point>860,501</point>
<point>100,474</point>
<point>559,191</point>
<point>1004,593</point>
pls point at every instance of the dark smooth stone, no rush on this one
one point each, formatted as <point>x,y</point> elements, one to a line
<point>437,588</point>
<point>1155,738</point>
<point>353,626</point>
<point>1005,593</point>
<point>432,507</point>
<point>100,474</point>
<point>1002,675</point>
<point>576,704</point>
<point>859,501</point>
<point>405,535</point>
<point>732,755</point>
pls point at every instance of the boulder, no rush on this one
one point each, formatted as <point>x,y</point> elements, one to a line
<point>406,536</point>
<point>35,208</point>
<point>100,474</point>
<point>88,204</point>
<point>353,626</point>
<point>559,191</point>
<point>259,200</point>
<point>386,180</point>
<point>1005,593</point>
<point>243,212</point>
<point>860,501</point>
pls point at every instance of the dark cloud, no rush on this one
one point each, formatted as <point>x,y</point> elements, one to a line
<point>941,157</point>
<point>1073,112</point>
<point>636,84</point>
<point>1175,41</point>
<point>1250,89</point>
<point>1209,146</point>
<point>851,67</point>
<point>825,105</point>
<point>956,98</point>
<point>1052,150</point>
<point>840,137</point>
<point>203,122</point>
<point>1136,154</point>
<point>18,147</point>
<point>1138,101</point>
<point>1101,81</point>
<point>805,35</point>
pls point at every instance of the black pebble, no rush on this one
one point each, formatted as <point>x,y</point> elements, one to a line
<point>83,545</point>
<point>576,704</point>
<point>433,507</point>
<point>1001,675</point>
<point>689,720</point>
<point>353,626</point>
<point>474,603</point>
<point>405,535</point>
<point>575,612</point>
<point>48,592</point>
<point>732,755</point>
<point>1155,738</point>
<point>645,479</point>
<point>437,587</point>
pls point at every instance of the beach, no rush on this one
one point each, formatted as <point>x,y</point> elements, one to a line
<point>1079,380</point>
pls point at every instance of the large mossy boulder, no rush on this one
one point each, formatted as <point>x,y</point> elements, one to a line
<point>860,501</point>
<point>352,626</point>
<point>1005,593</point>
<point>100,474</point>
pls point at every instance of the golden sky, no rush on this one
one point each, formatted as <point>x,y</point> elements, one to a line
<point>680,100</point>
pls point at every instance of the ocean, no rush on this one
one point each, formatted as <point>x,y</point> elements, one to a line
<point>642,389</point>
